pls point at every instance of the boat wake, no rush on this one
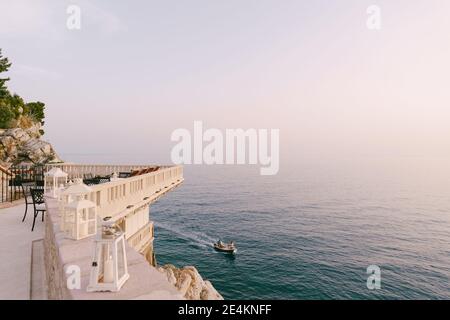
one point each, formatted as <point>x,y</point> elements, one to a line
<point>197,238</point>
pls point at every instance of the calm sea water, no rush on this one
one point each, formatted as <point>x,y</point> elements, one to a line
<point>311,231</point>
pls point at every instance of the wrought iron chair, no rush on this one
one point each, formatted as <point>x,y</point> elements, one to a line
<point>103,180</point>
<point>26,186</point>
<point>89,182</point>
<point>38,202</point>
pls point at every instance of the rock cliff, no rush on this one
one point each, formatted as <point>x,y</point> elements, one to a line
<point>18,145</point>
<point>190,283</point>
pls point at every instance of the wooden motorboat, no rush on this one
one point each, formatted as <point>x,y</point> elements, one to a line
<point>225,247</point>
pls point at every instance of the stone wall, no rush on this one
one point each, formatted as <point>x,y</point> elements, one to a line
<point>56,279</point>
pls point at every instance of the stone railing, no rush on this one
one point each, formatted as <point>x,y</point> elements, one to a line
<point>80,170</point>
<point>125,195</point>
<point>115,197</point>
<point>127,200</point>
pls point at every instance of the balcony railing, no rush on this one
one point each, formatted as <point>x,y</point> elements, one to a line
<point>121,197</point>
<point>81,170</point>
<point>112,198</point>
<point>13,177</point>
<point>7,193</point>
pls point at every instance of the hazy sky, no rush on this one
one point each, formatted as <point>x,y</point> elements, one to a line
<point>137,70</point>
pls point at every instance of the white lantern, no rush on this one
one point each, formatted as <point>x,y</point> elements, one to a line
<point>80,219</point>
<point>53,179</point>
<point>77,188</point>
<point>75,209</point>
<point>115,177</point>
<point>109,263</point>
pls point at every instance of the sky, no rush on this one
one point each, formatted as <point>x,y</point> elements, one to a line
<point>138,70</point>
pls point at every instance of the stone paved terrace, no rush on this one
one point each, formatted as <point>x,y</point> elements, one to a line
<point>16,262</point>
<point>16,241</point>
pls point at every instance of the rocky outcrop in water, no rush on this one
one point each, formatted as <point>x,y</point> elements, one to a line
<point>20,145</point>
<point>190,283</point>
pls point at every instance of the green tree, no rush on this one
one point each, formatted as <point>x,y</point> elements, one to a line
<point>36,110</point>
<point>6,116</point>
<point>4,66</point>
<point>16,104</point>
<point>13,107</point>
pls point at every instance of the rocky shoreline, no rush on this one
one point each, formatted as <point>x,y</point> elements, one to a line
<point>190,283</point>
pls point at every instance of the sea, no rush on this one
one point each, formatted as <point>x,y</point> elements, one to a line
<point>313,230</point>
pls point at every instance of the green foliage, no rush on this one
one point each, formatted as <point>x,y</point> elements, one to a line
<point>12,106</point>
<point>6,116</point>
<point>16,104</point>
<point>35,110</point>
<point>4,66</point>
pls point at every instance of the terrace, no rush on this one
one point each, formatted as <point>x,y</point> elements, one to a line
<point>122,192</point>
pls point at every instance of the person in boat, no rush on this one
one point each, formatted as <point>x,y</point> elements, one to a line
<point>232,244</point>
<point>220,243</point>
